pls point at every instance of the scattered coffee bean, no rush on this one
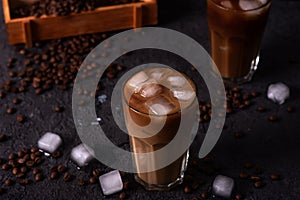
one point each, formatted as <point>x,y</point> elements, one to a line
<point>258,184</point>
<point>248,165</point>
<point>238,196</point>
<point>93,180</point>
<point>187,189</point>
<point>67,177</point>
<point>24,182</point>
<point>20,118</point>
<point>32,156</point>
<point>23,169</point>
<point>5,166</point>
<point>255,178</point>
<point>273,118</point>
<point>3,137</point>
<point>34,149</point>
<point>30,163</point>
<point>38,177</point>
<point>10,110</point>
<point>58,108</point>
<point>8,182</point>
<point>20,154</point>
<point>243,175</point>
<point>126,185</point>
<point>122,195</point>
<point>20,175</point>
<point>56,154</point>
<point>53,175</point>
<point>12,156</point>
<point>61,168</point>
<point>26,157</point>
<point>275,177</point>
<point>38,160</point>
<point>16,101</point>
<point>81,182</point>
<point>96,172</point>
<point>255,94</point>
<point>261,109</point>
<point>25,150</point>
<point>204,195</point>
<point>15,171</point>
<point>290,109</point>
<point>35,171</point>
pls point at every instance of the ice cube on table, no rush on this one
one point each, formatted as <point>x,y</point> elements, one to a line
<point>278,92</point>
<point>160,106</point>
<point>111,182</point>
<point>183,95</point>
<point>81,155</point>
<point>223,186</point>
<point>177,81</point>
<point>150,90</point>
<point>49,142</point>
<point>137,79</point>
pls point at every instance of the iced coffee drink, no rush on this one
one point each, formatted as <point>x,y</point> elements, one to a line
<point>155,100</point>
<point>236,30</point>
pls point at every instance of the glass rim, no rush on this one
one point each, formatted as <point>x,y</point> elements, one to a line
<point>240,11</point>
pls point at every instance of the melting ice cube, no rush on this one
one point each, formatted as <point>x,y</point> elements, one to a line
<point>226,4</point>
<point>111,182</point>
<point>150,90</point>
<point>160,106</point>
<point>248,5</point>
<point>183,95</point>
<point>278,92</point>
<point>49,142</point>
<point>81,155</point>
<point>223,186</point>
<point>137,79</point>
<point>177,81</point>
<point>157,75</point>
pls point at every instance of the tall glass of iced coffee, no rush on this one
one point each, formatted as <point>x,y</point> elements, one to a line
<point>236,30</point>
<point>154,102</point>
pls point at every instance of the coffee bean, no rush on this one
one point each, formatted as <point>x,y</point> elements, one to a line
<point>248,165</point>
<point>61,168</point>
<point>238,196</point>
<point>255,178</point>
<point>273,118</point>
<point>126,185</point>
<point>187,189</point>
<point>16,101</point>
<point>30,163</point>
<point>290,109</point>
<point>20,154</point>
<point>12,156</point>
<point>24,182</point>
<point>34,149</point>
<point>35,171</point>
<point>53,175</point>
<point>38,177</point>
<point>5,166</point>
<point>15,171</point>
<point>243,175</point>
<point>26,157</point>
<point>2,95</point>
<point>3,137</point>
<point>255,94</point>
<point>203,195</point>
<point>20,118</point>
<point>58,108</point>
<point>258,184</point>
<point>8,182</point>
<point>96,172</point>
<point>261,109</point>
<point>32,156</point>
<point>25,150</point>
<point>38,153</point>
<point>10,110</point>
<point>275,177</point>
<point>23,169</point>
<point>67,177</point>
<point>13,163</point>
<point>38,160</point>
<point>56,154</point>
<point>81,182</point>
<point>20,175</point>
<point>122,195</point>
<point>93,180</point>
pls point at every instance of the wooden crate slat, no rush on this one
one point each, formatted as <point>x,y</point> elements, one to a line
<point>102,19</point>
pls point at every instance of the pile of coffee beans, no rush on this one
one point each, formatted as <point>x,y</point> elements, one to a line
<point>63,7</point>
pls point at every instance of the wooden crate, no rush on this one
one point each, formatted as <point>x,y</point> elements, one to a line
<point>102,19</point>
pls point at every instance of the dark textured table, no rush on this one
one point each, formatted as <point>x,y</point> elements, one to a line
<point>272,146</point>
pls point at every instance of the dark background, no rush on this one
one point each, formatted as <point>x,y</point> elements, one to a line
<point>272,146</point>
